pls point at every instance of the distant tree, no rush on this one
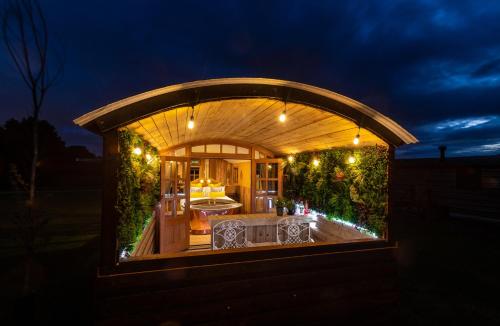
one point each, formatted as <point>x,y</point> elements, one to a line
<point>78,152</point>
<point>26,38</point>
<point>16,147</point>
<point>56,161</point>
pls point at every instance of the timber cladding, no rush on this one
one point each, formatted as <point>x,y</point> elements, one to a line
<point>340,287</point>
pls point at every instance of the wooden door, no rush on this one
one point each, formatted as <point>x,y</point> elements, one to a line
<point>267,184</point>
<point>175,214</point>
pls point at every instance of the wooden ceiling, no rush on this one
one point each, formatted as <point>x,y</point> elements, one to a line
<point>252,121</point>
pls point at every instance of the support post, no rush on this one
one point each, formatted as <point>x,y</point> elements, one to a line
<point>390,194</point>
<point>109,213</point>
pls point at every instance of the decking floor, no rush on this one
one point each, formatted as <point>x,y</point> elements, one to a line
<point>199,242</point>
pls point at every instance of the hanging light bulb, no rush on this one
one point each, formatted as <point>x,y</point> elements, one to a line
<point>282,116</point>
<point>356,139</point>
<point>351,159</point>
<point>191,119</point>
<point>191,123</point>
<point>137,151</point>
<point>290,158</point>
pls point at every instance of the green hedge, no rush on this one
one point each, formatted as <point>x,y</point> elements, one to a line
<point>356,192</point>
<point>138,188</point>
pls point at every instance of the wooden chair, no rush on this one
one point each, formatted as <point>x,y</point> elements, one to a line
<point>293,229</point>
<point>229,234</point>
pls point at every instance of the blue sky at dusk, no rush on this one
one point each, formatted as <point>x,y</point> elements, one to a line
<point>432,66</point>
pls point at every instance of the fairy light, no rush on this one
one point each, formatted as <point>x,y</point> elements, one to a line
<point>137,151</point>
<point>315,215</point>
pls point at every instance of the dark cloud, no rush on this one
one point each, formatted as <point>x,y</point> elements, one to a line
<point>491,68</point>
<point>420,62</point>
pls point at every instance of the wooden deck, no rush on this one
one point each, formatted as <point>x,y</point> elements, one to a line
<point>322,230</point>
<point>200,242</point>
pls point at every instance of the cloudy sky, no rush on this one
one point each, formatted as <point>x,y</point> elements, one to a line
<point>433,66</point>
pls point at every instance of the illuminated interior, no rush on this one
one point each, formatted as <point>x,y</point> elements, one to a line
<point>241,167</point>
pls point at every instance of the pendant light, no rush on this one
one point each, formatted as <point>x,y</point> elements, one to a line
<point>191,120</point>
<point>356,139</point>
<point>282,117</point>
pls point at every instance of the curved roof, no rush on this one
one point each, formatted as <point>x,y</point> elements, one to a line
<point>139,107</point>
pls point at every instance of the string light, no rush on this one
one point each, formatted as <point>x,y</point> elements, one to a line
<point>290,158</point>
<point>137,151</point>
<point>315,162</point>
<point>149,157</point>
<point>356,139</point>
<point>351,159</point>
<point>282,116</point>
<point>191,120</point>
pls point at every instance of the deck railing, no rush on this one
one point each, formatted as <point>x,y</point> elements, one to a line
<point>149,241</point>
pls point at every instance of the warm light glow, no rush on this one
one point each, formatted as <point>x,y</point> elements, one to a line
<point>269,166</point>
<point>282,117</point>
<point>201,181</point>
<point>356,140</point>
<point>191,123</point>
<point>351,159</point>
<point>315,162</point>
<point>208,181</point>
<point>149,157</point>
<point>290,158</point>
<point>137,151</point>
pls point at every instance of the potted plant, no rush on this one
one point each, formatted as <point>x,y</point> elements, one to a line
<point>279,203</point>
<point>290,206</point>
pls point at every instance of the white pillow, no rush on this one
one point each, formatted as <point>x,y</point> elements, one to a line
<point>206,191</point>
<point>218,189</point>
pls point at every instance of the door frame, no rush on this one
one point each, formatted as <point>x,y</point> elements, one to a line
<point>175,218</point>
<point>279,161</point>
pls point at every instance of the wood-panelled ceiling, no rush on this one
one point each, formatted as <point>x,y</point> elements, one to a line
<point>252,121</point>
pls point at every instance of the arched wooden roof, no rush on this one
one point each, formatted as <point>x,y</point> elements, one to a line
<point>246,109</point>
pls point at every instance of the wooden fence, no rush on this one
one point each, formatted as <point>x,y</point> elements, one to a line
<point>456,188</point>
<point>347,287</point>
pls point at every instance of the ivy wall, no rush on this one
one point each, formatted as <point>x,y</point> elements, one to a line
<point>138,187</point>
<point>354,192</point>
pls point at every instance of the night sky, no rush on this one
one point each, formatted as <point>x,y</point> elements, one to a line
<point>432,66</point>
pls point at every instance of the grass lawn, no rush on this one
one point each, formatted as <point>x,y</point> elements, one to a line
<point>66,261</point>
<point>448,268</point>
<point>449,271</point>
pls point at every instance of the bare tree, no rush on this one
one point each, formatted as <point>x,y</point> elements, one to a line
<point>26,38</point>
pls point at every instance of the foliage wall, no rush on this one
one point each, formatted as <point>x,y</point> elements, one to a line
<point>354,192</point>
<point>138,188</point>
